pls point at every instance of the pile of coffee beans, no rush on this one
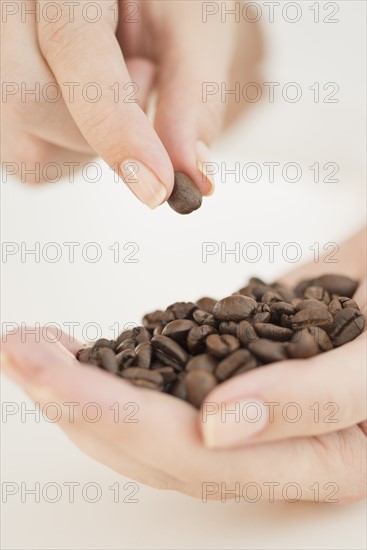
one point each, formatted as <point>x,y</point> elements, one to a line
<point>189,348</point>
<point>185,197</point>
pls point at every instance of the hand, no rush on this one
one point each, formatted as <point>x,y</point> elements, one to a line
<point>165,448</point>
<point>131,48</point>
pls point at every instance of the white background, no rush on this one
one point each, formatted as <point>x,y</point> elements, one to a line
<point>170,268</point>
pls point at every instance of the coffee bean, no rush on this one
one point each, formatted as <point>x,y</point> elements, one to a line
<point>272,332</point>
<point>303,345</point>
<point>185,197</point>
<point>197,336</point>
<point>202,361</point>
<point>154,319</point>
<point>168,374</point>
<point>262,314</point>
<point>199,383</point>
<point>236,360</point>
<point>182,310</point>
<point>348,324</point>
<point>169,352</point>
<point>83,355</point>
<point>107,360</point>
<point>277,309</point>
<point>143,377</point>
<point>321,338</point>
<point>221,345</point>
<point>337,284</point>
<point>202,317</point>
<point>178,388</point>
<point>268,351</point>
<point>178,329</point>
<point>312,316</point>
<point>144,352</point>
<point>286,293</point>
<point>234,308</point>
<point>228,327</point>
<point>206,304</point>
<point>310,304</point>
<point>140,334</point>
<point>317,293</point>
<point>348,302</point>
<point>126,358</point>
<point>270,296</point>
<point>340,302</point>
<point>104,343</point>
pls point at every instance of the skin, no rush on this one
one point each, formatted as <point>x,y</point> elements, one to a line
<point>157,53</point>
<point>167,447</point>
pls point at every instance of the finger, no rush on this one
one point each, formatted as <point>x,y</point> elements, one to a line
<point>143,72</point>
<point>117,129</point>
<point>290,399</point>
<point>195,61</point>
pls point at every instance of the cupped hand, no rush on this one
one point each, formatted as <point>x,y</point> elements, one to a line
<point>106,61</point>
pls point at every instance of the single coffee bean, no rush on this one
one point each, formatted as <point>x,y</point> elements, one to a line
<point>273,332</point>
<point>270,296</point>
<point>202,361</point>
<point>268,351</point>
<point>83,355</point>
<point>126,358</point>
<point>286,293</point>
<point>158,330</point>
<point>199,383</point>
<point>277,309</point>
<point>246,291</point>
<point>230,365</point>
<point>262,314</point>
<point>206,304</point>
<point>140,334</point>
<point>234,308</point>
<point>144,352</point>
<point>185,197</point>
<point>168,374</point>
<point>221,345</point>
<point>348,324</point>
<point>303,345</point>
<point>321,338</point>
<point>178,329</point>
<point>202,317</point>
<point>178,388</point>
<point>197,336</point>
<point>169,352</point>
<point>246,333</point>
<point>156,318</point>
<point>143,377</point>
<point>340,302</point>
<point>312,316</point>
<point>337,284</point>
<point>310,304</point>
<point>126,334</point>
<point>228,327</point>
<point>107,360</point>
<point>317,293</point>
<point>182,310</point>
<point>104,343</point>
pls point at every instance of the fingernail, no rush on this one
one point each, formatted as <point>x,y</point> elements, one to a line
<point>232,424</point>
<point>143,183</point>
<point>203,159</point>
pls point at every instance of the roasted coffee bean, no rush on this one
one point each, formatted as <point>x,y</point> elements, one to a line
<point>202,317</point>
<point>83,355</point>
<point>286,293</point>
<point>234,308</point>
<point>229,366</point>
<point>104,343</point>
<point>144,352</point>
<point>178,388</point>
<point>178,329</point>
<point>182,310</point>
<point>317,293</point>
<point>156,318</point>
<point>199,383</point>
<point>158,330</point>
<point>312,317</point>
<point>202,361</point>
<point>126,334</point>
<point>221,345</point>
<point>348,324</point>
<point>246,333</point>
<point>185,197</point>
<point>303,345</point>
<point>270,296</point>
<point>262,314</point>
<point>168,374</point>
<point>197,336</point>
<point>348,302</point>
<point>246,291</point>
<point>206,304</point>
<point>268,351</point>
<point>169,352</point>
<point>310,304</point>
<point>340,302</point>
<point>321,338</point>
<point>228,327</point>
<point>272,332</point>
<point>107,360</point>
<point>277,309</point>
<point>286,320</point>
<point>337,284</point>
<point>128,343</point>
<point>140,334</point>
<point>143,377</point>
<point>126,358</point>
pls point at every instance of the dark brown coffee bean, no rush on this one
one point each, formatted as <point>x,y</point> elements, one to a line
<point>312,317</point>
<point>185,197</point>
<point>286,320</point>
<point>246,333</point>
<point>140,334</point>
<point>182,310</point>
<point>169,352</point>
<point>144,352</point>
<point>272,332</point>
<point>303,345</point>
<point>337,284</point>
<point>158,330</point>
<point>126,358</point>
<point>221,345</point>
<point>178,388</point>
<point>228,327</point>
<point>199,383</point>
<point>168,374</point>
<point>267,351</point>
<point>262,314</point>
<point>156,318</point>
<point>317,293</point>
<point>108,360</point>
<point>197,336</point>
<point>270,296</point>
<point>340,302</point>
<point>321,338</point>
<point>202,317</point>
<point>206,304</point>
<point>236,360</point>
<point>104,343</point>
<point>143,377</point>
<point>286,293</point>
<point>277,309</point>
<point>83,355</point>
<point>178,329</point>
<point>246,291</point>
<point>348,324</point>
<point>234,308</point>
<point>128,343</point>
<point>348,302</point>
<point>202,361</point>
<point>126,334</point>
<point>310,304</point>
